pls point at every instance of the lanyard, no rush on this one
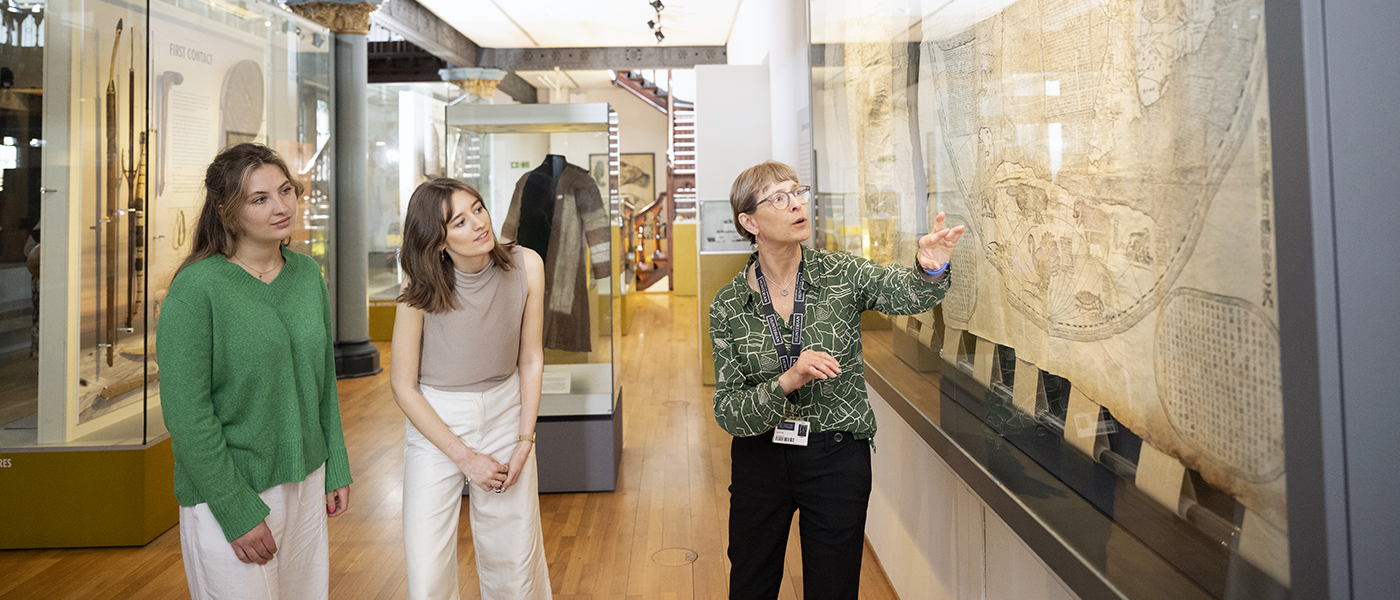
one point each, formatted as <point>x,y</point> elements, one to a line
<point>786,355</point>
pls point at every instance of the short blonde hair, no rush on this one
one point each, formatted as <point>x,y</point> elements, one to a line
<point>743,195</point>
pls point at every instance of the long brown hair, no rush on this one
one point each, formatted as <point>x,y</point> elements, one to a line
<point>432,280</point>
<point>225,194</point>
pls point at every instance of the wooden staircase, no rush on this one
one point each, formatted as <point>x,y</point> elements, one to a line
<point>651,225</point>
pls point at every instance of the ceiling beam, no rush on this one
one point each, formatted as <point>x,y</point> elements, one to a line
<point>419,25</point>
<point>597,59</point>
<point>516,87</point>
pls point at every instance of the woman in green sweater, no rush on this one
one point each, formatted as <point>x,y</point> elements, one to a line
<point>248,392</point>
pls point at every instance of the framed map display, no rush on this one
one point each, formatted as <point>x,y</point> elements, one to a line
<point>1111,162</point>
<point>636,177</point>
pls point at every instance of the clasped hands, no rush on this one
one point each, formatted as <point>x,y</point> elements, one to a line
<point>492,476</point>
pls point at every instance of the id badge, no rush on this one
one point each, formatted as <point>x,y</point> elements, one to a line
<point>792,432</point>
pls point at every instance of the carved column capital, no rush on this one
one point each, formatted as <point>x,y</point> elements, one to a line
<point>477,81</point>
<point>340,17</point>
<point>481,88</point>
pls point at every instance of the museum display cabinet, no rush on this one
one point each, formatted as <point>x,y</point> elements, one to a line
<point>531,163</point>
<point>1105,370</point>
<point>406,148</point>
<point>112,111</point>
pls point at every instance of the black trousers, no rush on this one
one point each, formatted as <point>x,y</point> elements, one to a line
<point>828,481</point>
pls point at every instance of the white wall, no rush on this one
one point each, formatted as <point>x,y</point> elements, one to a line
<point>732,125</point>
<point>641,128</point>
<point>774,33</point>
<point>934,536</point>
<point>527,148</point>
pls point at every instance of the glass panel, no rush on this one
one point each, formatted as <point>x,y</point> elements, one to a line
<point>1115,286</point>
<point>496,149</point>
<point>107,143</point>
<point>136,105</point>
<point>21,154</point>
<point>400,158</point>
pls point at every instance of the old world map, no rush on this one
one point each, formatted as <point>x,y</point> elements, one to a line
<point>1111,161</point>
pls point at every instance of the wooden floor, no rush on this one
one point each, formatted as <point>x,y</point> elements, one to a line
<point>630,544</point>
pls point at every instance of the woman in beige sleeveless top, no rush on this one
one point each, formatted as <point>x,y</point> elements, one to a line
<point>466,368</point>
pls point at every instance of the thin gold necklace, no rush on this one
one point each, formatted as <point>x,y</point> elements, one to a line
<point>260,274</point>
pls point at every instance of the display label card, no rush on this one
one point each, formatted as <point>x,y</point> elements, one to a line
<point>557,382</point>
<point>717,231</point>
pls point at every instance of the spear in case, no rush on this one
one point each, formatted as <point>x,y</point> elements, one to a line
<point>113,173</point>
<point>136,203</point>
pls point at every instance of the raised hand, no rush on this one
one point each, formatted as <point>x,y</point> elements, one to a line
<point>936,248</point>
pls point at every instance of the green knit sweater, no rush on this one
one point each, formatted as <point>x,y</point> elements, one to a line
<point>247,385</point>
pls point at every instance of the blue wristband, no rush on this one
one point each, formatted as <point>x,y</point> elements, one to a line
<point>935,272</point>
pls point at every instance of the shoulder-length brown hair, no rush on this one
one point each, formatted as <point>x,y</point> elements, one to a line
<point>225,194</point>
<point>432,281</point>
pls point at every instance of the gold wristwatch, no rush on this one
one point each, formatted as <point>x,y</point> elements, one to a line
<point>525,438</point>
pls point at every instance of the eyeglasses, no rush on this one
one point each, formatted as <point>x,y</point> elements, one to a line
<point>782,200</point>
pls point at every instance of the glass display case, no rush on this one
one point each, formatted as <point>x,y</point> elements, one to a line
<point>113,113</point>
<point>531,164</point>
<point>406,149</point>
<point>1110,346</point>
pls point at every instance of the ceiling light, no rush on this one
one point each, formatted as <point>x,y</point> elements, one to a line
<point>656,4</point>
<point>651,23</point>
<point>659,36</point>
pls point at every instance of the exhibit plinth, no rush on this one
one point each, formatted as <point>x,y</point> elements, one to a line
<point>80,497</point>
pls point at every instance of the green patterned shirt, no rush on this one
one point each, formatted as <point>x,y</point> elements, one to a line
<point>839,286</point>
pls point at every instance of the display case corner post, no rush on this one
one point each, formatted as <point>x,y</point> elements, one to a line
<point>59,267</point>
<point>1307,294</point>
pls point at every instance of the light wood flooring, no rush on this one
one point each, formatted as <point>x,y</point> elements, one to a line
<point>631,544</point>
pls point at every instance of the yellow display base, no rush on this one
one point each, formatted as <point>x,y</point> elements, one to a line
<point>80,498</point>
<point>715,271</point>
<point>381,320</point>
<point>617,272</point>
<point>685,264</point>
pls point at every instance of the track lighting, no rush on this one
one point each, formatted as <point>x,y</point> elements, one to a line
<point>655,24</point>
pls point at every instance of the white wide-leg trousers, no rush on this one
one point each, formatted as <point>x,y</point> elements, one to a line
<point>300,569</point>
<point>506,532</point>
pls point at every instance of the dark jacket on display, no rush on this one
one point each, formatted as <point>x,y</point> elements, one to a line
<point>575,237</point>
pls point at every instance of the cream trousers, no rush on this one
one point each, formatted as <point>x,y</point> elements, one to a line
<point>506,531</point>
<point>299,571</point>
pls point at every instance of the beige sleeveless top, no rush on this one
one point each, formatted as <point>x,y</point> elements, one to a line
<point>477,346</point>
